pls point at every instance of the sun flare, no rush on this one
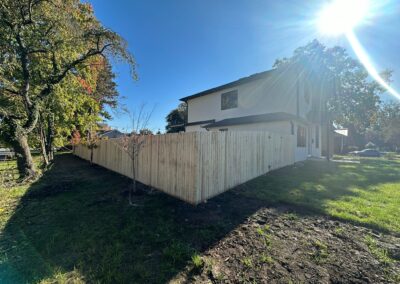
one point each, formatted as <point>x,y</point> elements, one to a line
<point>342,16</point>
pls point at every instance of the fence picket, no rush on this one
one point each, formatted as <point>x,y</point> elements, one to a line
<point>196,166</point>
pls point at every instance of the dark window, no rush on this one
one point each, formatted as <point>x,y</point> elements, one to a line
<point>301,136</point>
<point>229,100</point>
<point>223,129</point>
<point>316,136</point>
<point>292,127</point>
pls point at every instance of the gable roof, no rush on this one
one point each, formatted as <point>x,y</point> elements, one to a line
<point>312,68</point>
<point>114,133</point>
<point>238,82</point>
<point>267,117</point>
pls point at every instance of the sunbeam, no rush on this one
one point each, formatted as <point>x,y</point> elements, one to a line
<point>340,17</point>
<point>365,60</point>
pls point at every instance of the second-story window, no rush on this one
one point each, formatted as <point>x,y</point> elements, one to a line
<point>229,100</point>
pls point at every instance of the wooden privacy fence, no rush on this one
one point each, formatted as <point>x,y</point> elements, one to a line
<point>196,166</point>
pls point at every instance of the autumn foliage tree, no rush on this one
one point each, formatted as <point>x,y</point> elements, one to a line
<point>46,46</point>
<point>75,138</point>
<point>78,104</point>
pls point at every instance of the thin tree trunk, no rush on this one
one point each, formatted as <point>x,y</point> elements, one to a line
<point>25,163</point>
<point>133,189</point>
<point>91,155</point>
<point>43,144</point>
<point>50,137</point>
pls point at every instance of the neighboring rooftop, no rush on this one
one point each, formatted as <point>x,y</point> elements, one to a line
<point>267,117</point>
<point>240,81</point>
<point>114,133</point>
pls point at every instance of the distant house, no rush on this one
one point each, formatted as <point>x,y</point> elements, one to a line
<point>104,126</point>
<point>341,140</point>
<point>288,100</point>
<point>110,134</point>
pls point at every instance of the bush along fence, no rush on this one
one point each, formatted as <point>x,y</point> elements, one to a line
<point>196,166</point>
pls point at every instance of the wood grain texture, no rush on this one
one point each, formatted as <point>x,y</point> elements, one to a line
<point>196,166</point>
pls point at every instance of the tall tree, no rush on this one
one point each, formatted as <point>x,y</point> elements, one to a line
<point>356,100</point>
<point>176,119</point>
<point>386,130</point>
<point>43,42</point>
<point>106,93</point>
<point>79,104</point>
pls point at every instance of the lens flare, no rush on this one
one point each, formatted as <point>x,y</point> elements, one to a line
<point>365,60</point>
<point>340,17</point>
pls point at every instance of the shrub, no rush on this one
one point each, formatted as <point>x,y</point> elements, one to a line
<point>197,261</point>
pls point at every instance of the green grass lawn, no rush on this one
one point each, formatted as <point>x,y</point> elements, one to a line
<point>74,223</point>
<point>367,192</point>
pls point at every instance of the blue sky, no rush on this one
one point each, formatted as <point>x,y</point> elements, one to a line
<point>186,46</point>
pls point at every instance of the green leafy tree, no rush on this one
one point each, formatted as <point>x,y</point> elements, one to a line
<point>78,105</point>
<point>176,119</point>
<point>356,100</point>
<point>105,92</point>
<point>390,115</point>
<point>42,44</point>
<point>386,131</point>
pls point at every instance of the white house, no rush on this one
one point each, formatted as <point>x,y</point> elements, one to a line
<point>286,100</point>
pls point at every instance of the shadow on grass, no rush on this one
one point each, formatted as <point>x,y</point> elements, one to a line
<point>366,194</point>
<point>76,219</point>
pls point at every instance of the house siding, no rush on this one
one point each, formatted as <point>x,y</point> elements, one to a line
<point>282,91</point>
<point>279,92</point>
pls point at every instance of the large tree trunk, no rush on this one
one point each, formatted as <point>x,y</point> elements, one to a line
<point>25,163</point>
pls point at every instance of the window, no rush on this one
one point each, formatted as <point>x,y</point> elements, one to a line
<point>229,100</point>
<point>316,137</point>
<point>301,136</point>
<point>223,129</point>
<point>292,128</point>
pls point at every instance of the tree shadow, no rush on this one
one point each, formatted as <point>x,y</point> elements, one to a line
<point>325,187</point>
<point>75,222</point>
<point>76,218</point>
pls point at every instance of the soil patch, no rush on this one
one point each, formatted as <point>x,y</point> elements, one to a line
<point>276,246</point>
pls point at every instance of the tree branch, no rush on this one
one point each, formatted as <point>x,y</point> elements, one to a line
<point>4,114</point>
<point>25,70</point>
<point>58,78</point>
<point>37,51</point>
<point>32,119</point>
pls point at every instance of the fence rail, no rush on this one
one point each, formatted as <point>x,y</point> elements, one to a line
<point>196,166</point>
